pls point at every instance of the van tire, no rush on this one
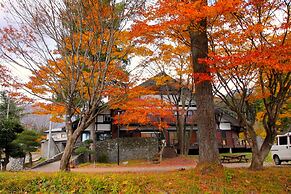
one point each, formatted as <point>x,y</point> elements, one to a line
<point>277,160</point>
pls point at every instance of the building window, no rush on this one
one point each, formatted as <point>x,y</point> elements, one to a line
<point>100,118</point>
<point>104,119</point>
<point>190,113</point>
<point>107,118</point>
<point>85,136</point>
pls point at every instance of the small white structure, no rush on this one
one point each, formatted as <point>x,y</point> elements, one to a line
<point>57,144</point>
<point>281,151</point>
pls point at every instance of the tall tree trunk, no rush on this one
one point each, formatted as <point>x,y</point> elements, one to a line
<point>259,154</point>
<point>208,148</point>
<point>94,142</point>
<point>257,163</point>
<point>188,139</point>
<point>181,134</point>
<point>65,161</point>
<point>72,136</point>
<point>71,139</point>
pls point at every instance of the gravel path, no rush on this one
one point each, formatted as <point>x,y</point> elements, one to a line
<point>173,164</point>
<point>54,167</point>
<point>163,167</point>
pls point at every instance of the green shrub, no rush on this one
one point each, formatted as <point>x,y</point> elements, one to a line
<point>103,158</point>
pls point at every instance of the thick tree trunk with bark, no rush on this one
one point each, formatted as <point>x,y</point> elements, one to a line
<point>65,161</point>
<point>208,148</point>
<point>259,154</point>
<point>71,139</point>
<point>72,136</point>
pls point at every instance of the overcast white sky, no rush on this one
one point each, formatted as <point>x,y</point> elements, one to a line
<point>5,20</point>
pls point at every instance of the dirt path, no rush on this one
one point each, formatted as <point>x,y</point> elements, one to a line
<point>174,164</point>
<point>179,163</point>
<point>54,167</point>
<point>51,167</point>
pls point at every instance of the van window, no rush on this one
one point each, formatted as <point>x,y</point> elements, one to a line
<point>290,140</point>
<point>283,140</point>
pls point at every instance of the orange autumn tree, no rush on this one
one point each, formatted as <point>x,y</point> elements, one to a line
<point>174,59</point>
<point>185,22</point>
<point>251,57</point>
<point>75,51</point>
<point>141,106</point>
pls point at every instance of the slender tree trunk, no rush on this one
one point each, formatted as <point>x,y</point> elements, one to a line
<point>184,138</point>
<point>189,138</point>
<point>181,137</point>
<point>30,159</point>
<point>166,136</point>
<point>208,149</point>
<point>5,162</point>
<point>93,145</point>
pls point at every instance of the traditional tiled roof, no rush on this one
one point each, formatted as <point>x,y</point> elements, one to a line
<point>167,83</point>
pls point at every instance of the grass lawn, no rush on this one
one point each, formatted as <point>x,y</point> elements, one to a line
<point>270,180</point>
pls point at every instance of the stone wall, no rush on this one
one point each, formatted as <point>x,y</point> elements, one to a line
<point>132,148</point>
<point>15,164</point>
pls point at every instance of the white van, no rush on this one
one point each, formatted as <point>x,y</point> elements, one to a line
<point>281,151</point>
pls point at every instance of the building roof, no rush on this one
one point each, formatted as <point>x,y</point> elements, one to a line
<point>168,84</point>
<point>56,130</point>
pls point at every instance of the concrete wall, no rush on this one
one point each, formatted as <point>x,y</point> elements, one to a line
<point>55,148</point>
<point>133,148</point>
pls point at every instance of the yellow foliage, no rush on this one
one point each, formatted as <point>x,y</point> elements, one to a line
<point>260,116</point>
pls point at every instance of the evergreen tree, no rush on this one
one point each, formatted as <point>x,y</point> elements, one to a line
<point>28,141</point>
<point>9,127</point>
